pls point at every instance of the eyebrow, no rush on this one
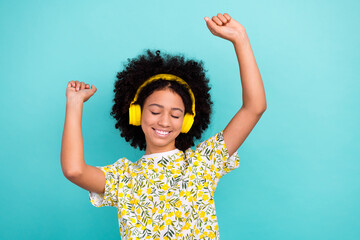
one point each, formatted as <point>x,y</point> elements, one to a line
<point>161,106</point>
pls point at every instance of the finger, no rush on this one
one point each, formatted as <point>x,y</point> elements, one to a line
<point>217,20</point>
<point>71,83</point>
<point>211,25</point>
<point>82,85</point>
<point>222,18</point>
<point>77,85</point>
<point>93,88</point>
<point>227,16</point>
<point>87,86</point>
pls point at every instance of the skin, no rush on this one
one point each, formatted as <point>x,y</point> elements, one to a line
<point>253,106</point>
<point>163,111</point>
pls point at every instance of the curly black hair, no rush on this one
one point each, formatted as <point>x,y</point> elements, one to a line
<point>138,70</point>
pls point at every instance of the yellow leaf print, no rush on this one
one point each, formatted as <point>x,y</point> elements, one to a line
<point>216,227</point>
<point>151,166</point>
<point>211,235</point>
<point>121,185</point>
<point>164,217</point>
<point>197,231</point>
<point>200,193</point>
<point>121,194</point>
<point>167,206</point>
<point>200,187</point>
<point>161,177</point>
<point>162,197</point>
<point>148,191</point>
<point>206,184</point>
<point>162,227</point>
<point>168,222</point>
<point>138,211</point>
<point>169,194</point>
<point>192,177</point>
<point>171,214</point>
<point>149,221</point>
<point>156,228</point>
<point>178,214</point>
<point>202,214</point>
<point>182,193</point>
<point>196,163</point>
<point>165,187</point>
<point>190,198</point>
<point>161,210</point>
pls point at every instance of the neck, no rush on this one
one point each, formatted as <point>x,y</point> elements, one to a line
<point>151,150</point>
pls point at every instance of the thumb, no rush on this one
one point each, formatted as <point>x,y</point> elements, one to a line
<point>93,89</point>
<point>211,25</point>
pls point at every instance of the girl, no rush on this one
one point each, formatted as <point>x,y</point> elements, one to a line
<point>161,104</point>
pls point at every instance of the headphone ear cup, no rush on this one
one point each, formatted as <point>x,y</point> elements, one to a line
<point>187,123</point>
<point>135,115</point>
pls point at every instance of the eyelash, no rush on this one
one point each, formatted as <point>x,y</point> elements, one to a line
<point>154,113</point>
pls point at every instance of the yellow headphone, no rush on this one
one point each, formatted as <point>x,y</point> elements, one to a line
<point>135,109</point>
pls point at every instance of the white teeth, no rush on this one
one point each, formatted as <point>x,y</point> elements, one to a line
<point>162,132</point>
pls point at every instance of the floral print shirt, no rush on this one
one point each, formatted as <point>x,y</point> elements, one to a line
<point>168,195</point>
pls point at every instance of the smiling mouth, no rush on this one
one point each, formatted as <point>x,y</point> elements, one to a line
<point>162,133</point>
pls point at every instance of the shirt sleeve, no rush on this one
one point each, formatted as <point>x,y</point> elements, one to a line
<point>217,158</point>
<point>112,174</point>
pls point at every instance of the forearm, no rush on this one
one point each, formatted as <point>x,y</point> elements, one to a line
<point>72,149</point>
<point>252,86</point>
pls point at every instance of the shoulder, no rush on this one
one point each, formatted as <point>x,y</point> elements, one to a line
<point>211,143</point>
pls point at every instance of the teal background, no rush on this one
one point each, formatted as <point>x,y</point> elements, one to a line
<point>299,168</point>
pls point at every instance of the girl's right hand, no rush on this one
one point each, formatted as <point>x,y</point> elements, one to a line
<point>79,91</point>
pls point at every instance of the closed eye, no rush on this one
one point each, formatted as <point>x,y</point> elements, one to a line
<point>155,113</point>
<point>175,117</point>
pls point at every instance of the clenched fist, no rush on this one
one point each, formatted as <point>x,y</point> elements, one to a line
<point>79,91</point>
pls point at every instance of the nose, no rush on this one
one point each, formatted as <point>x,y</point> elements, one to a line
<point>164,120</point>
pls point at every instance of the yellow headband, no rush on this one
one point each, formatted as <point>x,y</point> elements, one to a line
<point>168,77</point>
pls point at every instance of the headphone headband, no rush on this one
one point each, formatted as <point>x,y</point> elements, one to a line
<point>168,77</point>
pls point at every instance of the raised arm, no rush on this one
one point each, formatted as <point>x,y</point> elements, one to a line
<point>72,150</point>
<point>254,100</point>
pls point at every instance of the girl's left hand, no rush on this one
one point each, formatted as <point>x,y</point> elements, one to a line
<point>226,27</point>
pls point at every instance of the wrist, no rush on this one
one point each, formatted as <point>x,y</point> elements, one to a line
<point>74,102</point>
